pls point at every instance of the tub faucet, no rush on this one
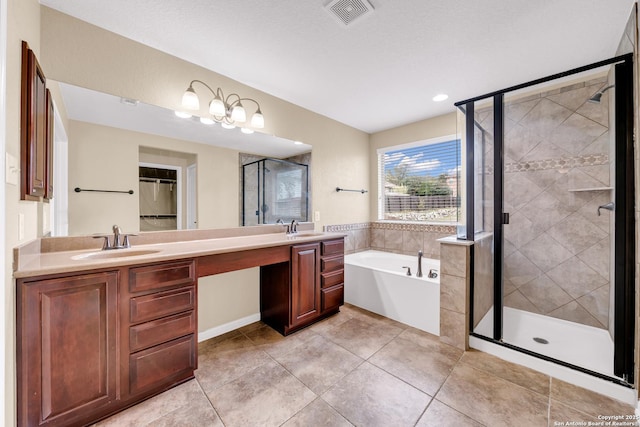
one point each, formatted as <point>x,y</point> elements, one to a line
<point>419,273</point>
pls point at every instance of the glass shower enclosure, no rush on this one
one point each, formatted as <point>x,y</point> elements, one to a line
<point>550,196</point>
<point>274,189</point>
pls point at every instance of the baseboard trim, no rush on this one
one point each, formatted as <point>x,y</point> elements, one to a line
<point>228,327</point>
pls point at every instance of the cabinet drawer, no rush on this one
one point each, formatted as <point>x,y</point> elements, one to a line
<point>333,263</point>
<point>332,297</point>
<point>149,307</point>
<point>158,331</point>
<point>163,364</point>
<point>333,247</point>
<point>161,275</point>
<point>332,279</point>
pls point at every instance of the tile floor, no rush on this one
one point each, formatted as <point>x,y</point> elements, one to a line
<point>358,368</point>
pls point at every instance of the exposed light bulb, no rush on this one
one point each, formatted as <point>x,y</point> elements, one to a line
<point>190,99</point>
<point>183,115</point>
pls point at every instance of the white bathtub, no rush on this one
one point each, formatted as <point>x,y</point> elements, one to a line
<point>377,282</point>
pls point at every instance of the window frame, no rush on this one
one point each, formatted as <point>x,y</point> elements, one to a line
<point>380,217</point>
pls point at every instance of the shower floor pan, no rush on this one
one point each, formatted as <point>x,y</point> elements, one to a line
<point>585,346</point>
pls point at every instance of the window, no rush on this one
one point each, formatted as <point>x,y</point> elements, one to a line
<point>419,181</point>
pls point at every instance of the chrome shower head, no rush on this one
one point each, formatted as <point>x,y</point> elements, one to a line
<point>595,99</point>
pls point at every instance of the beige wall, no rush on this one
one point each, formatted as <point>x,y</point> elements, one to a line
<point>102,157</point>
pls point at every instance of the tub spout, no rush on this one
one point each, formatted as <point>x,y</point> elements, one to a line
<point>419,274</point>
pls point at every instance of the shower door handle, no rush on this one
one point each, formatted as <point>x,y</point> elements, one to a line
<point>505,217</point>
<point>609,206</point>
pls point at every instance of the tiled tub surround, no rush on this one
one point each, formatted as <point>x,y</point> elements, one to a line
<point>409,238</point>
<point>358,236</point>
<point>557,249</point>
<point>400,238</point>
<point>357,368</point>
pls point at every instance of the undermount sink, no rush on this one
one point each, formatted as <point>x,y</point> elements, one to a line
<point>303,235</point>
<point>116,253</point>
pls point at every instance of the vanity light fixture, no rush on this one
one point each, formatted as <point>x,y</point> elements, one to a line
<point>227,110</point>
<point>440,97</point>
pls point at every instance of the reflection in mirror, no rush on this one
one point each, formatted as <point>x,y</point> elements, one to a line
<point>274,191</point>
<point>110,138</point>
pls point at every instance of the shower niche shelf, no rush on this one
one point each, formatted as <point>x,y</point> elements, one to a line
<point>582,190</point>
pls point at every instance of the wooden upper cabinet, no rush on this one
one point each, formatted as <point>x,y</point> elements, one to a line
<point>51,117</point>
<point>35,154</point>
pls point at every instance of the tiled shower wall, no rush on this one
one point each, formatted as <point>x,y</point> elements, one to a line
<point>406,239</point>
<point>557,249</point>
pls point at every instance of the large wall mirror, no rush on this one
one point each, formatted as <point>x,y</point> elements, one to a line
<point>119,161</point>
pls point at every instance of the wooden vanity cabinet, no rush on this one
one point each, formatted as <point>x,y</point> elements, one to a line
<point>67,349</point>
<point>296,294</point>
<point>161,326</point>
<point>332,275</point>
<point>91,344</point>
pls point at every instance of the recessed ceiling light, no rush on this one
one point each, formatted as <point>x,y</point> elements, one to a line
<point>206,121</point>
<point>298,142</point>
<point>183,115</point>
<point>440,97</point>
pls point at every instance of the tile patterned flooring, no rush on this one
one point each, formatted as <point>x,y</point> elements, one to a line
<point>358,368</point>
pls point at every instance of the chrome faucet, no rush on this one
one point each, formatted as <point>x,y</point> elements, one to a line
<point>116,236</point>
<point>294,227</point>
<point>117,233</point>
<point>419,273</point>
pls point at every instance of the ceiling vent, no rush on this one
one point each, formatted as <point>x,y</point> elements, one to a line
<point>347,11</point>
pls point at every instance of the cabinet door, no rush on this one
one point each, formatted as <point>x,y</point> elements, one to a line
<point>305,283</point>
<point>33,151</point>
<point>67,353</point>
<point>51,118</point>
